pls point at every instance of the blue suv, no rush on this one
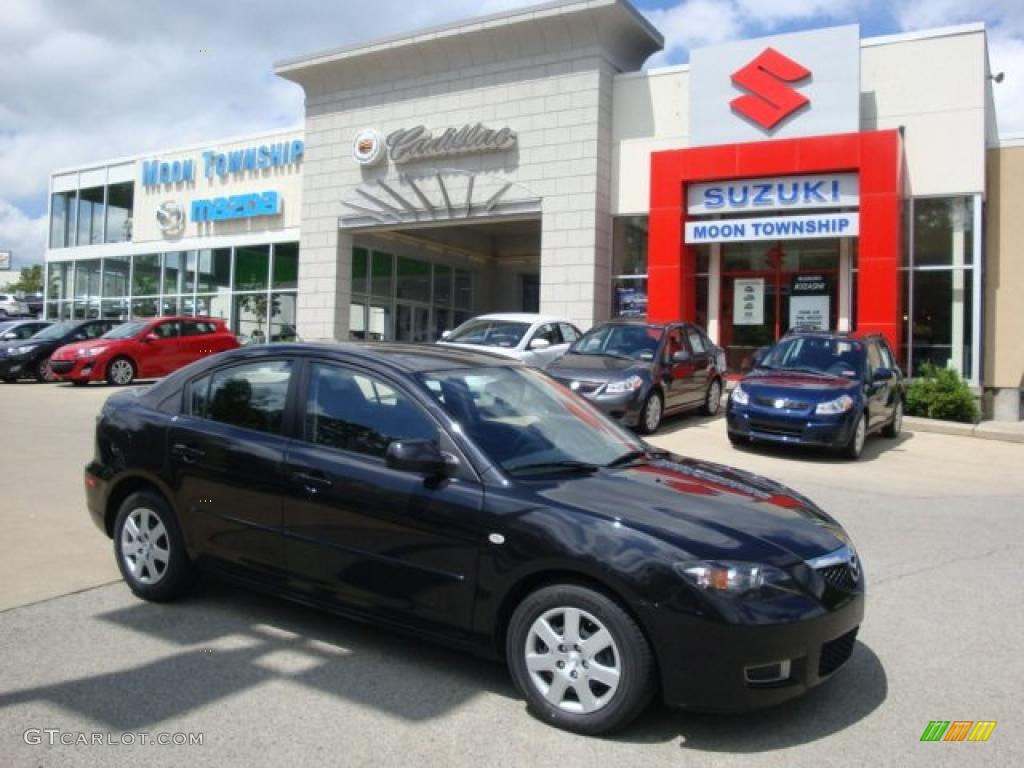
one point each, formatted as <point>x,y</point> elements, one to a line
<point>820,389</point>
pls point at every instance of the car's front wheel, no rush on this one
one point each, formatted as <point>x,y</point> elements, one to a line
<point>712,398</point>
<point>121,371</point>
<point>149,548</point>
<point>650,416</point>
<point>893,428</point>
<point>855,445</point>
<point>579,659</point>
<point>43,372</point>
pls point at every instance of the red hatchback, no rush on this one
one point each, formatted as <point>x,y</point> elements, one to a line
<point>142,349</point>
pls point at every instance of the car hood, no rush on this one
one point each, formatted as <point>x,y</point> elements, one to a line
<point>795,383</point>
<point>512,352</point>
<point>68,351</point>
<point>594,367</point>
<point>709,511</point>
<point>8,345</point>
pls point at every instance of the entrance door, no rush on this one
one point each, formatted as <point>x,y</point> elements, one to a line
<point>412,323</point>
<point>758,284</point>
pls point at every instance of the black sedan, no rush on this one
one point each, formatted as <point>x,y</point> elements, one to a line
<point>471,500</point>
<point>30,358</point>
<point>819,389</point>
<point>637,372</point>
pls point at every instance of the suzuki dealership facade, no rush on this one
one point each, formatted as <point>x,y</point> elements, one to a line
<point>525,161</point>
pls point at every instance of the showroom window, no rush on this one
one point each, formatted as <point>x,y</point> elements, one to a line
<point>90,216</point>
<point>942,299</point>
<point>629,266</point>
<point>119,212</point>
<point>93,215</point>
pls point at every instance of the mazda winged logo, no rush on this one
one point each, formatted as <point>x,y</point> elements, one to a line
<point>170,216</point>
<point>770,100</point>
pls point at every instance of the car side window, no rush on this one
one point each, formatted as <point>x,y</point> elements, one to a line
<point>195,328</point>
<point>674,343</point>
<point>569,333</point>
<point>874,358</point>
<point>887,357</point>
<point>696,341</point>
<point>168,330</point>
<point>549,333</point>
<point>26,331</point>
<point>81,334</point>
<point>352,411</point>
<point>252,395</point>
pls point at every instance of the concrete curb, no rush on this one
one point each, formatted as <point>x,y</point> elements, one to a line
<point>1008,432</point>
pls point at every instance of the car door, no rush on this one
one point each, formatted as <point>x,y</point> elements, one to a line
<point>703,358</point>
<point>550,333</point>
<point>878,394</point>
<point>160,350</point>
<point>677,377</point>
<point>375,539</point>
<point>226,456</point>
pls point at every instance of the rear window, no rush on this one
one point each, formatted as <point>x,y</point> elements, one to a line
<point>197,328</point>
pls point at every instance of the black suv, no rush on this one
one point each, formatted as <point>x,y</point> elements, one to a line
<point>819,388</point>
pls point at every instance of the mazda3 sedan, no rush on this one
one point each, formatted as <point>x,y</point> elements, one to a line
<point>469,499</point>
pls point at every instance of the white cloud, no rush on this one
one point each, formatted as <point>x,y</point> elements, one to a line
<point>23,235</point>
<point>693,24</point>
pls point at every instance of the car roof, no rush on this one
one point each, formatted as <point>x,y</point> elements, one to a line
<point>522,317</point>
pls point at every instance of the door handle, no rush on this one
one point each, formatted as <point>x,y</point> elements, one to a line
<point>187,453</point>
<point>312,481</point>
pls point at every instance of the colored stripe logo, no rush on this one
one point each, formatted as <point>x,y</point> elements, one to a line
<point>958,730</point>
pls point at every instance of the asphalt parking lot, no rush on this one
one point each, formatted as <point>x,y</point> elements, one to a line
<point>938,521</point>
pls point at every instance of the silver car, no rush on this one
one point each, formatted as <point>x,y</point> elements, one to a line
<point>537,340</point>
<point>11,307</point>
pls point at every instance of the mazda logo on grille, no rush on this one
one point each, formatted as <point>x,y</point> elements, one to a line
<point>854,565</point>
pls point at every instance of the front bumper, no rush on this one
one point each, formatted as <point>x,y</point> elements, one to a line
<point>705,664</point>
<point>78,369</point>
<point>778,425</point>
<point>15,367</point>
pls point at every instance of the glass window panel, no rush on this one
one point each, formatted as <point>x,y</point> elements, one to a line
<point>115,275</point>
<point>942,322</point>
<point>90,216</point>
<point>357,320</point>
<point>286,265</point>
<point>463,289</point>
<point>943,231</point>
<point>360,265</point>
<point>114,309</point>
<point>169,305</point>
<point>379,322</point>
<point>62,219</point>
<point>250,317</point>
<point>87,279</point>
<point>174,269</point>
<point>119,212</point>
<point>282,319</point>
<point>442,322</point>
<point>629,245</point>
<point>214,270</point>
<point>218,305</point>
<point>142,308</point>
<point>251,396</point>
<point>442,285</point>
<point>413,279</point>
<point>703,283</point>
<point>629,296</point>
<point>703,252</point>
<point>188,277</point>
<point>60,275</point>
<point>252,267</point>
<point>52,310</point>
<point>382,274</point>
<point>146,277</point>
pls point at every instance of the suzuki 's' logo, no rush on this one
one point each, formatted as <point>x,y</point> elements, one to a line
<point>770,100</point>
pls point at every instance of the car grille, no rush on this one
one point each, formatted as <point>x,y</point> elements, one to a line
<point>61,366</point>
<point>836,652</point>
<point>789,405</point>
<point>786,430</point>
<point>839,576</point>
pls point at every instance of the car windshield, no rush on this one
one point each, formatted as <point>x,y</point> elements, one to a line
<point>56,331</point>
<point>490,333</point>
<point>526,423</point>
<point>5,326</point>
<point>125,331</point>
<point>636,342</point>
<point>817,354</point>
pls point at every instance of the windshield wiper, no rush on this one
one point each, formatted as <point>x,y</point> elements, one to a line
<point>814,371</point>
<point>578,466</point>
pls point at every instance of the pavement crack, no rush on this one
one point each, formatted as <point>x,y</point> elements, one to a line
<point>944,563</point>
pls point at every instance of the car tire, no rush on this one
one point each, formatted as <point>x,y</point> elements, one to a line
<point>43,372</point>
<point>10,379</point>
<point>855,445</point>
<point>738,440</point>
<point>894,427</point>
<point>712,398</point>
<point>588,691</point>
<point>651,414</point>
<point>150,550</point>
<point>120,372</point>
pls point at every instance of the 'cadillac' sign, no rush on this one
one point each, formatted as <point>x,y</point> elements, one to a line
<point>410,145</point>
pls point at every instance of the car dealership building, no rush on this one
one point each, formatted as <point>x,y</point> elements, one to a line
<point>525,161</point>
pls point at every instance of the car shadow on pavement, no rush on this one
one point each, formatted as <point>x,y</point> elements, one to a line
<point>231,640</point>
<point>875,447</point>
<point>855,692</point>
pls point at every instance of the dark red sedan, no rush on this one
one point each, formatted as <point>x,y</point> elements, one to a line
<point>142,349</point>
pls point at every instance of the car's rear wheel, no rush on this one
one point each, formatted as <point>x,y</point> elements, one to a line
<point>712,398</point>
<point>149,548</point>
<point>43,372</point>
<point>893,428</point>
<point>579,659</point>
<point>855,446</point>
<point>653,410</point>
<point>121,371</point>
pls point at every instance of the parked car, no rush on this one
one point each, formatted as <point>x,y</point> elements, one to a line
<point>537,340</point>
<point>637,372</point>
<point>15,330</point>
<point>10,306</point>
<point>820,389</point>
<point>30,358</point>
<point>142,349</point>
<point>34,303</point>
<point>472,500</point>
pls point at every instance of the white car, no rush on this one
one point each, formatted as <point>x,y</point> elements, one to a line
<point>11,307</point>
<point>537,340</point>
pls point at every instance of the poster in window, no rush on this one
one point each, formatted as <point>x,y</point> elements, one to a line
<point>748,301</point>
<point>809,303</point>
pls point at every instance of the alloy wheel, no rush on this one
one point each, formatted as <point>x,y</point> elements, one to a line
<point>145,547</point>
<point>897,418</point>
<point>121,371</point>
<point>572,660</point>
<point>714,401</point>
<point>46,371</point>
<point>860,435</point>
<point>652,413</point>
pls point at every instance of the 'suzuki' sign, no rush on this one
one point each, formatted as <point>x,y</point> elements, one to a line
<point>833,190</point>
<point>419,143</point>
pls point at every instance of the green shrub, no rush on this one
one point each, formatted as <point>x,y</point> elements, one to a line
<point>941,393</point>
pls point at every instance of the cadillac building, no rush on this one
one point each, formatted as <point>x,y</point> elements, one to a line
<point>527,161</point>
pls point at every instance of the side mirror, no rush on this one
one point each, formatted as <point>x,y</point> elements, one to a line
<point>150,337</point>
<point>884,374</point>
<point>446,334</point>
<point>420,456</point>
<point>682,356</point>
<point>540,344</point>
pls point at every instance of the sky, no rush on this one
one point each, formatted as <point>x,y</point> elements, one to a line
<point>88,80</point>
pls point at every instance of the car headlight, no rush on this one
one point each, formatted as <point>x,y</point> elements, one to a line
<point>24,350</point>
<point>739,395</point>
<point>732,578</point>
<point>841,404</point>
<point>632,384</point>
<point>91,351</point>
